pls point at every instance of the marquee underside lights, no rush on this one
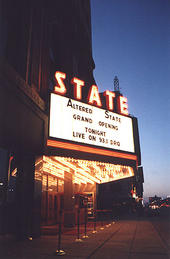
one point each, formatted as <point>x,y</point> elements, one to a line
<point>85,171</point>
<point>83,123</point>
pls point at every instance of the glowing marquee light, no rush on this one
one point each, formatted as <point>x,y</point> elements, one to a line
<point>93,95</point>
<point>86,171</point>
<point>78,170</point>
<point>53,171</point>
<point>87,124</point>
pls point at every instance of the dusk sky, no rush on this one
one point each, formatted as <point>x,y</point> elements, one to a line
<point>131,40</point>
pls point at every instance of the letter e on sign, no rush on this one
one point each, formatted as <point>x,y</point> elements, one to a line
<point>123,106</point>
<point>60,87</point>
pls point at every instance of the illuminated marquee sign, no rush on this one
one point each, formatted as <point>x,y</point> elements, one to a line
<point>85,171</point>
<point>93,95</point>
<point>79,122</point>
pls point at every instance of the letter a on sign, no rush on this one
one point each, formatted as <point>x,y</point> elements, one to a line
<point>93,96</point>
<point>60,87</point>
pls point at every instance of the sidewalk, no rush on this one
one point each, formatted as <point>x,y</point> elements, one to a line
<point>126,239</point>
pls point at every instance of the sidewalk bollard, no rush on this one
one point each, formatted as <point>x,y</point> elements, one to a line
<point>110,218</point>
<point>101,220</point>
<point>59,251</point>
<point>107,218</point>
<point>85,222</point>
<point>95,215</point>
<point>78,239</point>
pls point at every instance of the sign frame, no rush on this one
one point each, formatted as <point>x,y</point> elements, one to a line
<point>89,148</point>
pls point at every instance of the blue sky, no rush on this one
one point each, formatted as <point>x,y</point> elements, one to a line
<point>131,40</point>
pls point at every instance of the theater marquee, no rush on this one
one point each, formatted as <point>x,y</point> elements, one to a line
<point>79,122</point>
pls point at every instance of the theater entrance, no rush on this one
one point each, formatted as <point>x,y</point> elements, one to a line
<point>68,182</point>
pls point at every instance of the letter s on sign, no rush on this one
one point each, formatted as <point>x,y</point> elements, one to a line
<point>60,87</point>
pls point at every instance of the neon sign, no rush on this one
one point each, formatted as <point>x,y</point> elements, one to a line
<point>93,95</point>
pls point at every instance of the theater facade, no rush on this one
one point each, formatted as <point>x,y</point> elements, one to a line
<point>61,141</point>
<point>88,144</point>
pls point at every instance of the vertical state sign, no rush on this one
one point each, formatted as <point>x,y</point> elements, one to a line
<point>79,122</point>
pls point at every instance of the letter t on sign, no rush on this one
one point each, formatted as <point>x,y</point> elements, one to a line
<point>109,99</point>
<point>77,87</point>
